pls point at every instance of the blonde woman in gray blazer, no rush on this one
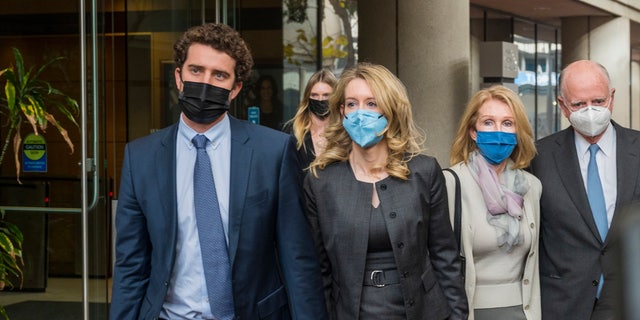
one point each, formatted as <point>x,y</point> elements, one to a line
<point>500,207</point>
<point>378,209</point>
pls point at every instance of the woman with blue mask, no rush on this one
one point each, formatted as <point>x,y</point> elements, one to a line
<point>308,125</point>
<point>378,208</point>
<point>500,211</point>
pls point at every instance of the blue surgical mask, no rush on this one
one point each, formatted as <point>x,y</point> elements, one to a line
<point>496,146</point>
<point>364,127</point>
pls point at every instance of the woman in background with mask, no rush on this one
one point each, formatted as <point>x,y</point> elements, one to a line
<point>378,208</point>
<point>310,121</point>
<point>499,205</point>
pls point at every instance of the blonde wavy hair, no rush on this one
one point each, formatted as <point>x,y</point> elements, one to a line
<point>463,144</point>
<point>402,136</point>
<point>301,122</point>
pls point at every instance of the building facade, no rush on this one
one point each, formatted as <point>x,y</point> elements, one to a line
<point>117,63</point>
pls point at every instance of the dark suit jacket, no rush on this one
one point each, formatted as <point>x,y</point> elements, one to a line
<point>621,291</point>
<point>572,255</point>
<point>275,270</point>
<point>417,219</point>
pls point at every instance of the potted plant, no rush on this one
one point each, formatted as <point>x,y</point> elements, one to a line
<point>26,100</point>
<point>10,255</point>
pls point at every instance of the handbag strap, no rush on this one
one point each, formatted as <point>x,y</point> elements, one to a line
<point>457,215</point>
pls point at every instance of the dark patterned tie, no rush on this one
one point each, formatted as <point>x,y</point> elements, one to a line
<point>596,200</point>
<point>213,244</point>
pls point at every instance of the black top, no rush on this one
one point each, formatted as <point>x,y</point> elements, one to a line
<point>306,152</point>
<point>378,235</point>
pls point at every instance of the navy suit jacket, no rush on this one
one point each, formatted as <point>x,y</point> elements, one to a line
<point>572,254</point>
<point>275,270</point>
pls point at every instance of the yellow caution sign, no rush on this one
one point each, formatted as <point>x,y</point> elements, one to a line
<point>34,150</point>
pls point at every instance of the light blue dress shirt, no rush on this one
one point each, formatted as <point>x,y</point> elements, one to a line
<point>607,166</point>
<point>187,293</point>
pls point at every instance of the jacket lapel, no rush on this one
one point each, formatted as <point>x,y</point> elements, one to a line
<point>165,179</point>
<point>241,157</point>
<point>566,159</point>
<point>360,212</point>
<point>165,162</point>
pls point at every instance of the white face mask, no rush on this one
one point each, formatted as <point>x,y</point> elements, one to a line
<point>591,120</point>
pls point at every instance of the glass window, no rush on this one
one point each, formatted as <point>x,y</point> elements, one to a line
<point>539,54</point>
<point>335,40</point>
<point>286,49</point>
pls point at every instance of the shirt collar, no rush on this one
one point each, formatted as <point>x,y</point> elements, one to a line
<point>215,134</point>
<point>606,142</point>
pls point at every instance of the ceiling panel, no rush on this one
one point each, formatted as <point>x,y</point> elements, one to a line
<point>541,9</point>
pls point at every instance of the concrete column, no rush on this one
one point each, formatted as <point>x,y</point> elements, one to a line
<point>426,42</point>
<point>378,42</point>
<point>635,95</point>
<point>604,40</point>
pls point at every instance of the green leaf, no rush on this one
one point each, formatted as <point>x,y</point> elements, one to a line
<point>6,245</point>
<point>46,65</point>
<point>61,107</point>
<point>4,313</point>
<point>19,62</point>
<point>342,40</point>
<point>327,52</point>
<point>38,108</point>
<point>15,234</point>
<point>10,92</point>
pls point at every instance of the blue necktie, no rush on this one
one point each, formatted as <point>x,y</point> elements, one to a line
<point>596,200</point>
<point>213,244</point>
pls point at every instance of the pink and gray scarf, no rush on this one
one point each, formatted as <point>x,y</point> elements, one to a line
<point>503,196</point>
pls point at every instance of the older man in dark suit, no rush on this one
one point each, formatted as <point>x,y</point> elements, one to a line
<point>587,171</point>
<point>236,211</point>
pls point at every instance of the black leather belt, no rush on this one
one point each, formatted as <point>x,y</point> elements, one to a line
<point>381,278</point>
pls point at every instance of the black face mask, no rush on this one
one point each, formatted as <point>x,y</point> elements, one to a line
<point>319,107</point>
<point>203,103</point>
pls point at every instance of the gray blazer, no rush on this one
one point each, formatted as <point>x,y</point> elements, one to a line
<point>417,218</point>
<point>572,255</point>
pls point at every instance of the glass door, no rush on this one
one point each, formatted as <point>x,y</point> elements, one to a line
<point>55,187</point>
<point>115,61</point>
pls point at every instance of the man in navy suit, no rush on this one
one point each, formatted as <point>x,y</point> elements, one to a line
<point>575,250</point>
<point>159,269</point>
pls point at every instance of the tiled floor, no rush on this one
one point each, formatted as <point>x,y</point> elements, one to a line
<point>62,289</point>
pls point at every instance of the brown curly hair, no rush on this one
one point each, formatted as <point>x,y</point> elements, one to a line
<point>220,37</point>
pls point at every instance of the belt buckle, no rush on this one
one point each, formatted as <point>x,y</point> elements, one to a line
<point>375,278</point>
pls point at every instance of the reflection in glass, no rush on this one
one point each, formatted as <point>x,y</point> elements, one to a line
<point>539,55</point>
<point>303,40</point>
